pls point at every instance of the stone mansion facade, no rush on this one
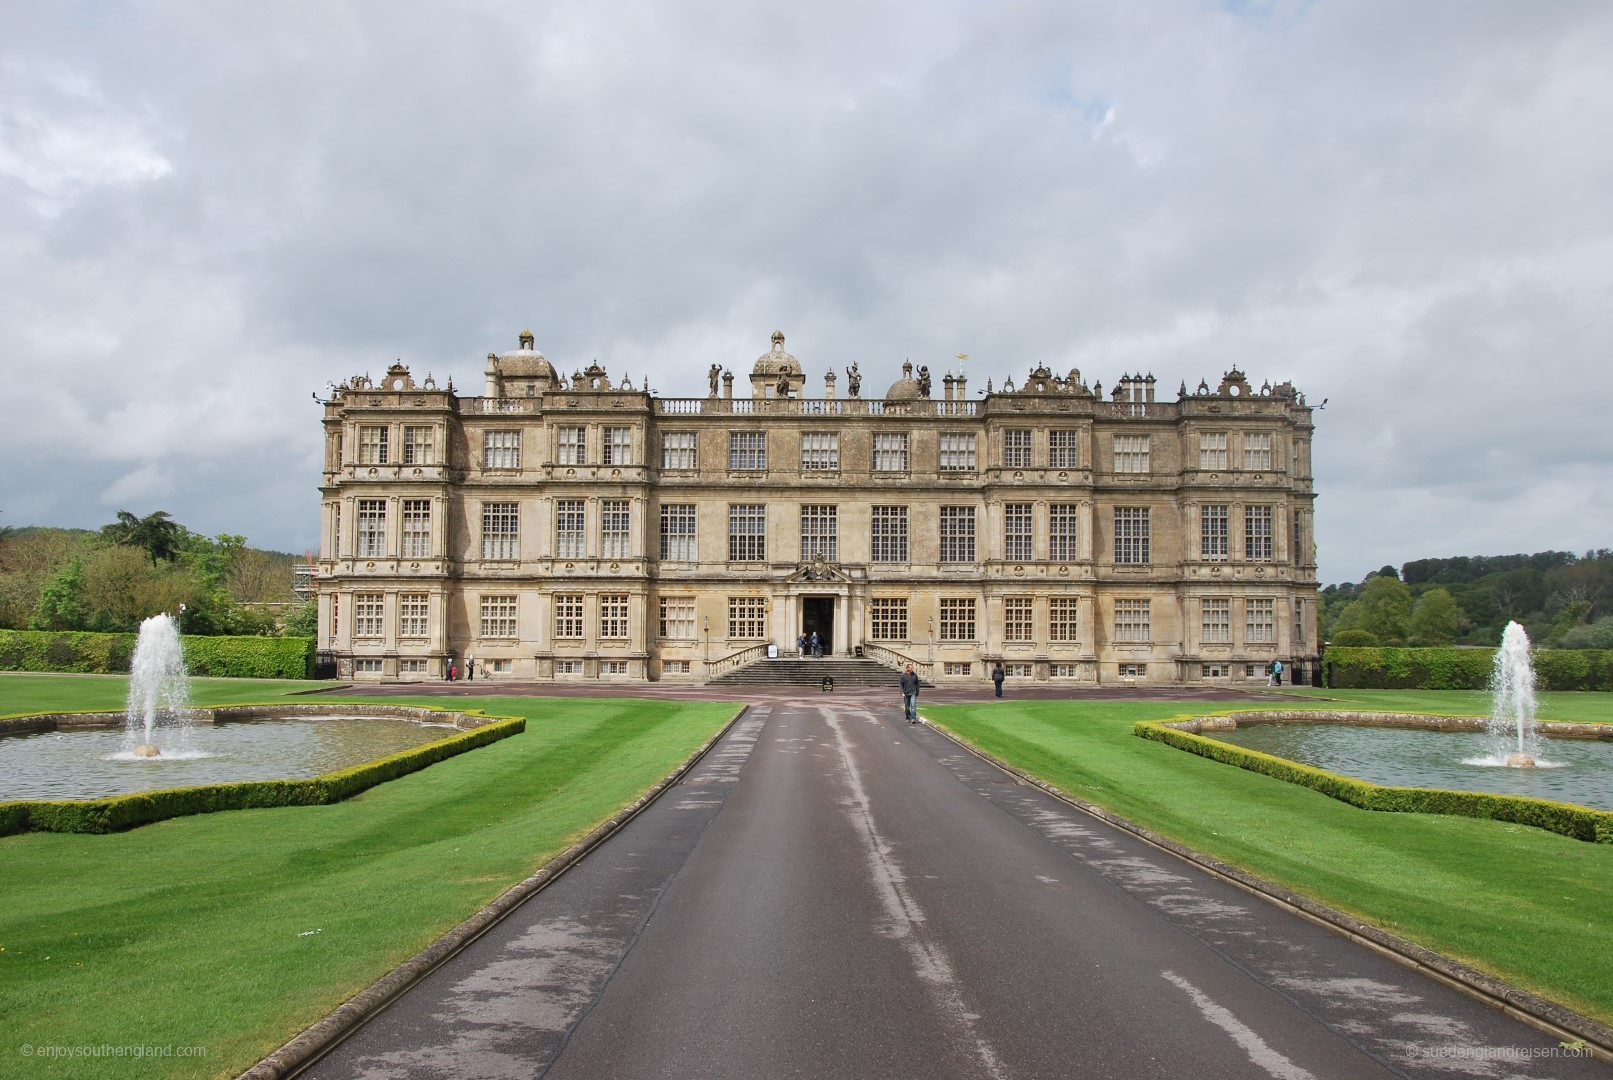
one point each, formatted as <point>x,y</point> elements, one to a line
<point>576,528</point>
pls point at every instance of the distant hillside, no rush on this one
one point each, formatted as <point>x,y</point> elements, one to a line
<point>109,579</point>
<point>1562,599</point>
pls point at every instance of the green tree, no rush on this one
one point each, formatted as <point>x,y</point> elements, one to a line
<point>304,622</point>
<point>258,577</point>
<point>1517,593</point>
<point>1383,610</point>
<point>28,558</point>
<point>157,534</point>
<point>121,590</point>
<point>61,600</point>
<point>1589,581</point>
<point>1567,618</point>
<point>1596,635</point>
<point>1477,602</point>
<point>1436,620</point>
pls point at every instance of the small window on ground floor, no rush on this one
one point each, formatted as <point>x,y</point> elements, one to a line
<point>1062,671</point>
<point>1133,671</point>
<point>498,666</point>
<point>370,667</point>
<point>1017,671</point>
<point>568,667</point>
<point>412,667</point>
<point>956,669</point>
<point>613,667</point>
<point>1215,671</point>
<point>675,667</point>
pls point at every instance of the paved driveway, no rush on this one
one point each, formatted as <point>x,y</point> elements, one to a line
<point>835,893</point>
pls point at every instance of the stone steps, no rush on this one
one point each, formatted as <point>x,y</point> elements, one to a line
<point>794,671</point>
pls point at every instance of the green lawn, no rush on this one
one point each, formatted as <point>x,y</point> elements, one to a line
<point>26,693</point>
<point>1526,905</point>
<point>1568,707</point>
<point>233,931</point>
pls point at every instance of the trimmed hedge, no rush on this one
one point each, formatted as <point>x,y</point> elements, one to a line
<point>119,812</point>
<point>1566,819</point>
<point>250,657</point>
<point>110,654</point>
<point>1460,669</point>
<point>75,651</point>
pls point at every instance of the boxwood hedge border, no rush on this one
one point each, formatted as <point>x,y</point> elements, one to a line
<point>1566,819</point>
<point>116,813</point>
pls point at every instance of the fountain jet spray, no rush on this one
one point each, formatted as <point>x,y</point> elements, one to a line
<point>159,692</point>
<point>1512,694</point>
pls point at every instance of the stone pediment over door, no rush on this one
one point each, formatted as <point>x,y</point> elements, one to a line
<point>818,570</point>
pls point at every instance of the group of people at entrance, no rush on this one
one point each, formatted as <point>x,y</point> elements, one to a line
<point>453,673</point>
<point>813,643</point>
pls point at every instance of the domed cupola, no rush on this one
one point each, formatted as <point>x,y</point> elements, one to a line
<point>521,372</point>
<point>906,388</point>
<point>776,370</point>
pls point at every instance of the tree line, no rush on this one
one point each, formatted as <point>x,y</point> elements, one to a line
<point>1563,600</point>
<point>109,580</point>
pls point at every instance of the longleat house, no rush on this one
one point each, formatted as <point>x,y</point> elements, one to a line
<point>578,528</point>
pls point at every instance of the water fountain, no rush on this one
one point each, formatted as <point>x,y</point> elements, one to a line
<point>1512,695</point>
<point>160,741</point>
<point>159,692</point>
<point>1506,752</point>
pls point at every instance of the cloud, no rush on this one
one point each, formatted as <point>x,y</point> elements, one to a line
<point>60,139</point>
<point>208,212</point>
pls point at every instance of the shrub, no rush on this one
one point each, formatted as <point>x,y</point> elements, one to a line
<point>250,657</point>
<point>1596,635</point>
<point>1459,669</point>
<point>1579,822</point>
<point>110,654</point>
<point>1355,639</point>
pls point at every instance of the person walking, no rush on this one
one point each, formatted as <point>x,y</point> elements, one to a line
<point>1276,673</point>
<point>817,646</point>
<point>910,695</point>
<point>997,676</point>
<point>800,646</point>
<point>470,669</point>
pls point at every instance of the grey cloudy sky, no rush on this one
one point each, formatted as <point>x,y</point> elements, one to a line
<point>208,211</point>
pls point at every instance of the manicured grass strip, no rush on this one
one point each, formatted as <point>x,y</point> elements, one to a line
<point>23,693</point>
<point>234,931</point>
<point>1521,904</point>
<point>1563,706</point>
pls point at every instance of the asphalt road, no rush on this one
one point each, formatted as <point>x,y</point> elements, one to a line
<point>835,893</point>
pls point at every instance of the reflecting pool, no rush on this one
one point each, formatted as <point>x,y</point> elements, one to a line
<point>1569,770</point>
<point>92,763</point>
